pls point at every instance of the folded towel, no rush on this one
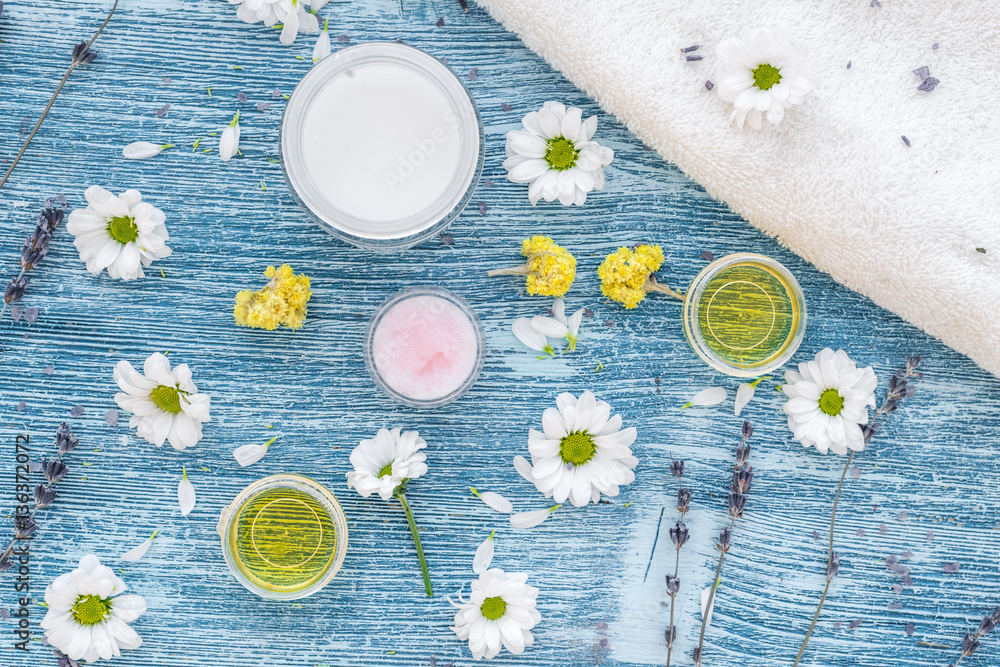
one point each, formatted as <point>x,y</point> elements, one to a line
<point>914,226</point>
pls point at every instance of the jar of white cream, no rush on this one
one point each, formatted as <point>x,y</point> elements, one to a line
<point>382,145</point>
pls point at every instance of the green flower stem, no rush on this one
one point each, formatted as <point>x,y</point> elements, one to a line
<point>416,540</point>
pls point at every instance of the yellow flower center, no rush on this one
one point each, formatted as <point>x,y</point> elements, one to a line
<point>166,398</point>
<point>493,608</point>
<point>91,609</point>
<point>577,448</point>
<point>123,229</point>
<point>561,153</point>
<point>831,402</point>
<point>386,470</point>
<point>765,76</point>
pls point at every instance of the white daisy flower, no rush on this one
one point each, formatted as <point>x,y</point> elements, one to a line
<point>229,142</point>
<point>119,233</point>
<point>763,74</point>
<point>582,451</point>
<point>828,401</point>
<point>555,155</point>
<point>500,612</point>
<point>87,619</point>
<point>164,403</point>
<point>267,11</point>
<point>383,463</point>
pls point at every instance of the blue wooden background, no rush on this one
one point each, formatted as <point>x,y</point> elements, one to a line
<point>936,460</point>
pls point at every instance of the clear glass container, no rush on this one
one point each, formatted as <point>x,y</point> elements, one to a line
<point>425,347</point>
<point>745,315</point>
<point>382,145</point>
<point>284,537</point>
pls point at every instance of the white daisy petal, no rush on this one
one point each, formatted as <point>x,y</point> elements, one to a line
<point>527,334</point>
<point>133,555</point>
<point>523,468</point>
<point>322,48</point>
<point>484,556</point>
<point>529,519</point>
<point>140,150</point>
<point>247,455</point>
<point>185,494</point>
<point>707,397</point>
<point>549,326</point>
<point>229,142</point>
<point>494,500</point>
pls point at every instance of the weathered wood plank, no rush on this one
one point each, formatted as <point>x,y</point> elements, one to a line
<point>936,459</point>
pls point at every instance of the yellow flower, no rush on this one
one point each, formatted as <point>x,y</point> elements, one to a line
<point>550,268</point>
<point>282,301</point>
<point>626,274</point>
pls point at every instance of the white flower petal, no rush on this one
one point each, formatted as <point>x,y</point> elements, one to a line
<point>185,495</point>
<point>322,48</point>
<point>133,555</point>
<point>139,150</point>
<point>523,468</point>
<point>484,556</point>
<point>707,397</point>
<point>496,501</point>
<point>529,519</point>
<point>706,608</point>
<point>247,455</point>
<point>743,395</point>
<point>527,334</point>
<point>549,326</point>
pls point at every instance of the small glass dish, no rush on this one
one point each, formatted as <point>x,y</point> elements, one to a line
<point>745,315</point>
<point>284,537</point>
<point>382,145</point>
<point>425,347</point>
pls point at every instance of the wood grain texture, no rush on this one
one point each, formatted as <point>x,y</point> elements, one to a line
<point>936,459</point>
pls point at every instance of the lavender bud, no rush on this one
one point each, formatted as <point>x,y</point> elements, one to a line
<point>747,430</point>
<point>673,584</point>
<point>696,656</point>
<point>890,406</point>
<point>51,216</point>
<point>831,570</point>
<point>24,526</point>
<point>15,289</point>
<point>869,431</point>
<point>670,634</point>
<point>683,500</point>
<point>742,454</point>
<point>969,645</point>
<point>5,562</point>
<point>987,625</point>
<point>32,255</point>
<point>679,534</point>
<point>44,495</point>
<point>910,391</point>
<point>725,538</point>
<point>737,502</point>
<point>677,469</point>
<point>54,470</point>
<point>65,440</point>
<point>742,479</point>
<point>64,660</point>
<point>913,362</point>
<point>82,55</point>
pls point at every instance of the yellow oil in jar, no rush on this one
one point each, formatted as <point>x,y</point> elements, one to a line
<point>747,315</point>
<point>283,540</point>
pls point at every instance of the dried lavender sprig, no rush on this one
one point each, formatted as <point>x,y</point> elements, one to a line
<point>679,536</point>
<point>35,248</point>
<point>971,642</point>
<point>44,494</point>
<point>740,485</point>
<point>899,388</point>
<point>81,56</point>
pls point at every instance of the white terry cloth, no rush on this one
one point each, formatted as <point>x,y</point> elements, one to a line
<point>834,181</point>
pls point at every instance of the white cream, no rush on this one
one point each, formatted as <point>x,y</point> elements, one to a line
<point>381,141</point>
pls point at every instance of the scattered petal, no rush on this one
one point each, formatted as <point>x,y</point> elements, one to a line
<point>910,628</point>
<point>31,314</point>
<point>111,416</point>
<point>484,556</point>
<point>706,398</point>
<point>250,454</point>
<point>902,516</point>
<point>140,150</point>
<point>506,107</point>
<point>882,528</point>
<point>440,22</point>
<point>706,609</point>
<point>708,255</point>
<point>855,623</point>
<point>494,500</point>
<point>952,567</point>
<point>21,406</point>
<point>49,370</point>
<point>162,111</point>
<point>76,410</point>
<point>893,606</point>
<point>140,551</point>
<point>482,208</point>
<point>473,73</point>
<point>856,472</point>
<point>263,106</point>
<point>930,535</point>
<point>744,394</point>
<point>241,97</point>
<point>531,519</point>
<point>185,494</point>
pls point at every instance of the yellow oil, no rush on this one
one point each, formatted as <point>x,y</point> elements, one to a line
<point>283,540</point>
<point>747,315</point>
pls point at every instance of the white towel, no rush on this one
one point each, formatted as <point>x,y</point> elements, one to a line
<point>835,181</point>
